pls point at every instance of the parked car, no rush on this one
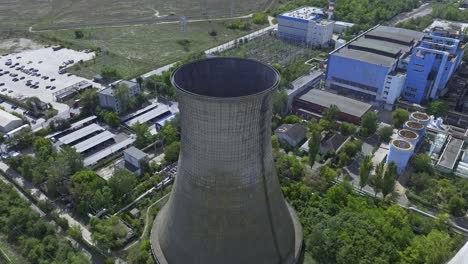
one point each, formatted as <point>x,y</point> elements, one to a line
<point>4,89</point>
<point>15,79</point>
<point>1,84</point>
<point>52,88</point>
<point>52,79</point>
<point>14,107</point>
<point>22,78</point>
<point>10,91</point>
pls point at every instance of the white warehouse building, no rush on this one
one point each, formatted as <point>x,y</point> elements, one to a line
<point>8,122</point>
<point>306,24</point>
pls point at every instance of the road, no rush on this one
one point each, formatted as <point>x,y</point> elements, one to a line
<point>423,10</point>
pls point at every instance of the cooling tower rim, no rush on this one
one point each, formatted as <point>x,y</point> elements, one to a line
<point>423,117</point>
<point>414,125</point>
<point>404,133</point>
<point>268,89</point>
<point>408,146</point>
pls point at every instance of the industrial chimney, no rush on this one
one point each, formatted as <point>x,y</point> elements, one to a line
<point>226,204</point>
<point>331,9</point>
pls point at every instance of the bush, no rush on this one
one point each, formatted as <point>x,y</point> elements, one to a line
<point>213,33</point>
<point>260,18</point>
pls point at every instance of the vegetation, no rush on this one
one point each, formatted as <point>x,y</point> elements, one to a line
<point>368,124</point>
<point>122,183</point>
<point>260,18</point>
<point>36,239</point>
<point>171,152</point>
<point>88,102</point>
<point>438,108</point>
<point>417,23</point>
<point>400,116</point>
<point>289,167</point>
<point>314,146</point>
<point>340,227</point>
<point>157,46</point>
<point>365,169</point>
<point>347,129</point>
<point>422,163</point>
<point>108,233</point>
<point>385,133</point>
<point>143,136</point>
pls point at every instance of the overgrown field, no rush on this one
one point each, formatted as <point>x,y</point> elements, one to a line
<point>24,13</point>
<point>137,49</point>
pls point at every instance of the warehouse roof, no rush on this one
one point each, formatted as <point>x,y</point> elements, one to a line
<point>80,133</point>
<point>148,116</point>
<point>93,141</point>
<point>381,45</point>
<point>451,153</point>
<point>94,158</point>
<point>345,104</point>
<point>6,118</point>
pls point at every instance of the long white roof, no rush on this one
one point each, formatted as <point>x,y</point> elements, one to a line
<point>93,141</point>
<point>6,118</point>
<point>80,133</point>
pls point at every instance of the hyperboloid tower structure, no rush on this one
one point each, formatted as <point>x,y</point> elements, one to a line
<point>226,204</point>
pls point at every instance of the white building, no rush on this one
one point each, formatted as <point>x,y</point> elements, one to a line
<point>306,24</point>
<point>8,122</point>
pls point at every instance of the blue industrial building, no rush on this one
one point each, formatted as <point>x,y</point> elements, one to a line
<point>385,63</point>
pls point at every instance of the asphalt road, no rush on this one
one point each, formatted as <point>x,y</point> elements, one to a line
<point>423,10</point>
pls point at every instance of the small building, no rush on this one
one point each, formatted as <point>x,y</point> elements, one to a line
<point>98,78</point>
<point>107,98</point>
<point>331,142</point>
<point>9,122</point>
<point>135,159</point>
<point>316,101</point>
<point>135,213</point>
<point>292,134</point>
<point>340,27</point>
<point>306,24</point>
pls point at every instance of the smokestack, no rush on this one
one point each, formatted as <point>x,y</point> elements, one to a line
<point>226,204</point>
<point>331,9</point>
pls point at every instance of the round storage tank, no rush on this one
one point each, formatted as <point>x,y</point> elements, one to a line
<point>416,127</point>
<point>420,117</point>
<point>400,152</point>
<point>408,135</point>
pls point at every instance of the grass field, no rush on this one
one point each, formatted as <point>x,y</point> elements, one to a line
<point>11,255</point>
<point>24,13</point>
<point>137,49</point>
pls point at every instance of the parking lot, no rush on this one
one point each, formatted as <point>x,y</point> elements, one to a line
<point>36,73</point>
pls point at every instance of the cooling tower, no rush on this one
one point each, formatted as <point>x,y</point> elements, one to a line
<point>400,152</point>
<point>416,127</point>
<point>226,204</point>
<point>408,135</point>
<point>420,117</point>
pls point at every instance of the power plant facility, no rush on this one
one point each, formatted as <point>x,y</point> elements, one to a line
<point>306,24</point>
<point>400,152</point>
<point>386,63</point>
<point>226,204</point>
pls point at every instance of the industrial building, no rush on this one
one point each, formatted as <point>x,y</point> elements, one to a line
<point>135,160</point>
<point>109,100</point>
<point>316,101</point>
<point>226,204</point>
<point>8,122</point>
<point>306,24</point>
<point>386,63</point>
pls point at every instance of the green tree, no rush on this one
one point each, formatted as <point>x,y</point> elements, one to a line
<point>140,81</point>
<point>438,108</point>
<point>364,171</point>
<point>122,183</point>
<point>44,148</point>
<point>111,118</point>
<point>289,166</point>
<point>171,152</point>
<point>388,181</point>
<point>327,125</point>
<point>83,186</point>
<point>22,139</point>
<point>400,116</point>
<point>331,114</point>
<point>89,100</point>
<point>328,173</point>
<point>260,18</point>
<point>422,163</point>
<point>108,233</point>
<point>434,248</point>
<point>111,74</point>
<point>457,206</point>
<point>169,133</point>
<point>280,102</point>
<point>378,177</point>
<point>143,136</point>
<point>291,119</point>
<point>275,144</point>
<point>347,129</point>
<point>314,146</point>
<point>79,34</point>
<point>122,92</point>
<point>368,124</point>
<point>385,133</point>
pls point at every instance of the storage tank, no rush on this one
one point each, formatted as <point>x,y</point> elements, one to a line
<point>226,204</point>
<point>400,152</point>
<point>422,118</point>
<point>408,135</point>
<point>416,127</point>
